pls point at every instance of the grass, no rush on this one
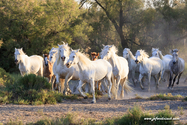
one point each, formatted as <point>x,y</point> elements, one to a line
<point>167,96</point>
<point>138,96</point>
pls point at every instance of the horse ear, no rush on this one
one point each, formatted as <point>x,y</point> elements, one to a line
<point>66,44</point>
<point>103,45</point>
<point>15,49</point>
<point>171,51</point>
<point>97,54</point>
<point>71,49</point>
<point>77,50</point>
<point>63,42</point>
<point>153,49</point>
<point>58,45</point>
<point>22,49</point>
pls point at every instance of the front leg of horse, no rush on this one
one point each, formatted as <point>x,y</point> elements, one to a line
<point>133,77</point>
<point>67,79</point>
<point>117,86</point>
<point>58,83</point>
<point>149,81</point>
<point>170,79</point>
<point>162,75</point>
<point>80,89</point>
<point>179,77</point>
<point>174,80</point>
<point>93,90</point>
<point>140,81</point>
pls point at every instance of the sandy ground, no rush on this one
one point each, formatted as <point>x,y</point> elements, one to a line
<point>102,109</point>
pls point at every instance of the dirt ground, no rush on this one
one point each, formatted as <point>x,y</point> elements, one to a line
<point>102,109</point>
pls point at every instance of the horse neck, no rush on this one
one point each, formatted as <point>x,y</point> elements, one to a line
<point>131,56</point>
<point>144,61</point>
<point>23,57</point>
<point>83,62</point>
<point>113,60</point>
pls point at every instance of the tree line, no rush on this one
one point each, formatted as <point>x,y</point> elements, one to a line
<point>39,25</point>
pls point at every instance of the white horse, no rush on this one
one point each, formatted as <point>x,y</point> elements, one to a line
<point>133,67</point>
<point>61,71</point>
<point>53,54</point>
<point>166,59</point>
<point>120,68</point>
<point>176,67</point>
<point>149,67</point>
<point>28,64</point>
<point>90,71</point>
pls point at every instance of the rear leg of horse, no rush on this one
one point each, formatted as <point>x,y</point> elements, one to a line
<point>61,84</point>
<point>108,80</point>
<point>179,78</point>
<point>52,82</point>
<point>158,79</point>
<point>133,77</point>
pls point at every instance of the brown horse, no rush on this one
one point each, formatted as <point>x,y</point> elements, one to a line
<point>48,69</point>
<point>94,55</point>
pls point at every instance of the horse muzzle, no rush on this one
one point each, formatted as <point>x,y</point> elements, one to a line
<point>136,61</point>
<point>174,62</point>
<point>68,65</point>
<point>46,64</point>
<point>16,61</point>
<point>63,58</point>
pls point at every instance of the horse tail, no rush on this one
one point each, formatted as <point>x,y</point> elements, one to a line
<point>127,87</point>
<point>160,55</point>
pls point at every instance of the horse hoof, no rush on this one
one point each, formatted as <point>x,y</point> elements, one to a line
<point>177,83</point>
<point>85,97</point>
<point>142,88</point>
<point>93,102</point>
<point>109,98</point>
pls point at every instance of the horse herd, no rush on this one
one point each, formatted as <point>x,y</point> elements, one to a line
<point>63,64</point>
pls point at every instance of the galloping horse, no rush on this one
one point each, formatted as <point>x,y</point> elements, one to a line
<point>176,67</point>
<point>149,67</point>
<point>133,67</point>
<point>120,68</point>
<point>28,64</point>
<point>48,69</point>
<point>90,71</point>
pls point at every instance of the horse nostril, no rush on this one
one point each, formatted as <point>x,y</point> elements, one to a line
<point>174,62</point>
<point>16,60</point>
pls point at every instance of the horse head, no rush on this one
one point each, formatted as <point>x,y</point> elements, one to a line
<point>140,55</point>
<point>126,53</point>
<point>73,59</point>
<point>174,53</point>
<point>155,52</point>
<point>94,55</point>
<point>46,59</point>
<point>17,55</point>
<point>52,54</point>
<point>107,51</point>
<point>63,51</point>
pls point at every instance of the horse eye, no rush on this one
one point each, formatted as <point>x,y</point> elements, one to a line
<point>73,56</point>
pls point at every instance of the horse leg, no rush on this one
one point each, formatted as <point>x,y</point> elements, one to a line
<point>57,82</point>
<point>108,79</point>
<point>179,77</point>
<point>140,81</point>
<point>99,85</point>
<point>149,81</point>
<point>122,85</point>
<point>80,89</point>
<point>92,82</point>
<point>162,75</point>
<point>117,86</point>
<point>133,77</point>
<point>67,79</point>
<point>170,79</point>
<point>174,80</point>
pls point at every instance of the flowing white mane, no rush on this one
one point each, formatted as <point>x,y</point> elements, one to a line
<point>143,53</point>
<point>83,58</point>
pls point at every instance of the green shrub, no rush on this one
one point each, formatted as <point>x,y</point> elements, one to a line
<point>4,77</point>
<point>167,96</point>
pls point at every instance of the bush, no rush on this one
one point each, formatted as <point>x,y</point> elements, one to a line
<point>168,96</point>
<point>32,89</point>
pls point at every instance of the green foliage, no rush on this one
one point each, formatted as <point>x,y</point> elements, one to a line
<point>37,26</point>
<point>167,96</point>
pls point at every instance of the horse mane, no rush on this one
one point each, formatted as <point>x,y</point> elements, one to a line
<point>83,58</point>
<point>114,49</point>
<point>143,53</point>
<point>21,52</point>
<point>58,54</point>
